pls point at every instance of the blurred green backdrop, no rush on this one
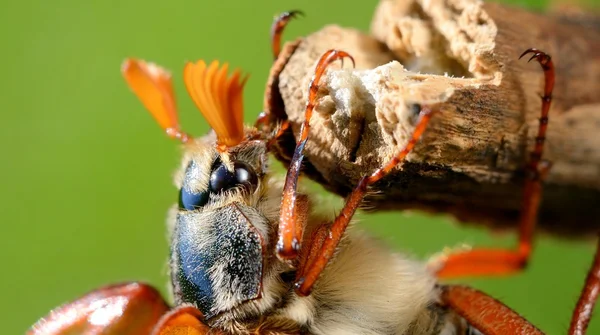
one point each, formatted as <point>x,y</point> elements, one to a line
<point>86,171</point>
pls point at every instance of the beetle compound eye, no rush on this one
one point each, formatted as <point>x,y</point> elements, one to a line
<point>222,179</point>
<point>245,175</point>
<point>190,201</point>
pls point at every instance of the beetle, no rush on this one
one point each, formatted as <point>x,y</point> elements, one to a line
<point>248,254</point>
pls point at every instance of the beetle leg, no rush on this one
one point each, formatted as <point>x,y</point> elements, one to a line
<point>587,300</point>
<point>279,24</point>
<point>500,261</point>
<point>277,28</point>
<point>339,225</point>
<point>285,125</point>
<point>130,308</point>
<point>288,243</point>
<point>488,315</point>
<point>308,255</point>
<point>183,320</point>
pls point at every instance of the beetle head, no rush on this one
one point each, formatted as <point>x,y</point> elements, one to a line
<point>224,225</point>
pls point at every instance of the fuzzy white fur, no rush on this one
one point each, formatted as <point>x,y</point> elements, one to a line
<point>365,290</point>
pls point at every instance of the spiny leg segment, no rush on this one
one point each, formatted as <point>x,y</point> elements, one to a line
<point>500,261</point>
<point>288,243</point>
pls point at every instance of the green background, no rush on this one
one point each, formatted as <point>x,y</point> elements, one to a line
<point>86,173</point>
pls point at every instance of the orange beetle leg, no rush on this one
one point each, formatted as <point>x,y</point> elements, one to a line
<point>498,261</point>
<point>314,267</point>
<point>279,24</point>
<point>585,306</point>
<point>288,243</point>
<point>277,28</point>
<point>488,315</point>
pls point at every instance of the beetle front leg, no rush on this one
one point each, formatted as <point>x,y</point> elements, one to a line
<point>288,243</point>
<point>329,241</point>
<point>499,261</point>
<point>277,29</point>
<point>130,308</point>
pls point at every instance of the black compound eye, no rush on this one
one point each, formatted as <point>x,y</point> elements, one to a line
<point>191,201</point>
<point>187,199</point>
<point>245,174</point>
<point>222,179</point>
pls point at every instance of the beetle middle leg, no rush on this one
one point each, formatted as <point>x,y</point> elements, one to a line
<point>485,313</point>
<point>500,319</point>
<point>500,261</point>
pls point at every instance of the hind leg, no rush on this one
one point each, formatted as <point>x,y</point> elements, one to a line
<point>587,300</point>
<point>482,261</point>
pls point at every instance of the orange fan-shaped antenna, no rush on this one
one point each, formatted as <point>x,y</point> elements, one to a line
<point>219,98</point>
<point>153,86</point>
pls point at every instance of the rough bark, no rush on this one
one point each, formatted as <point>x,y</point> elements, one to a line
<point>461,58</point>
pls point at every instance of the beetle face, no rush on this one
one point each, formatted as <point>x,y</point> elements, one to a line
<point>220,237</point>
<point>227,202</point>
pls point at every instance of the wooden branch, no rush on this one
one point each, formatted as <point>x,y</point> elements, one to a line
<point>470,161</point>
